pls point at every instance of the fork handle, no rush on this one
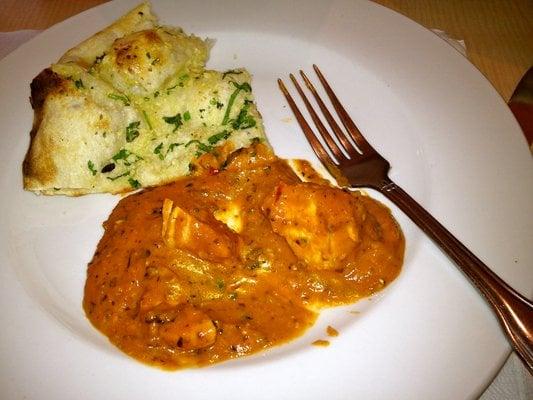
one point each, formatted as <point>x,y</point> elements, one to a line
<point>514,311</point>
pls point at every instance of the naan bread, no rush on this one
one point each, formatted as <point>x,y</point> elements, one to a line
<point>133,106</point>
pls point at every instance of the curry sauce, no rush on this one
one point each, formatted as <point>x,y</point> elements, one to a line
<point>234,260</point>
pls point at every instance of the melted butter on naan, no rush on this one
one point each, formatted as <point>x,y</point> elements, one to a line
<point>132,107</point>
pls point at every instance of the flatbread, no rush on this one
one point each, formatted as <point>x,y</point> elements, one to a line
<point>133,106</point>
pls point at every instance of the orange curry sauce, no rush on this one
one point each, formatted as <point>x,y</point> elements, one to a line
<point>234,260</point>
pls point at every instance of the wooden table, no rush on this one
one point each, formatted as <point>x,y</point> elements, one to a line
<point>498,33</point>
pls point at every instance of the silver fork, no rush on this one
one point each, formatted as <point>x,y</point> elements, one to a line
<point>365,167</point>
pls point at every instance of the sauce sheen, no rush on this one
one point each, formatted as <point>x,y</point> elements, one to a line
<point>234,260</point>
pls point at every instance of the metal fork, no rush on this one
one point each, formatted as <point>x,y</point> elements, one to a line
<point>362,166</point>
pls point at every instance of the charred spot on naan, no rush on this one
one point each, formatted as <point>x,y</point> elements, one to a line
<point>141,62</point>
<point>38,165</point>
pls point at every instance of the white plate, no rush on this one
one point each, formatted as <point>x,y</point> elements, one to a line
<point>453,145</point>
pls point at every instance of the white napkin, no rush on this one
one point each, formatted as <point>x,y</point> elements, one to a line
<point>513,381</point>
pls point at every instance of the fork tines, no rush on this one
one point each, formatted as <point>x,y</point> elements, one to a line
<point>343,150</point>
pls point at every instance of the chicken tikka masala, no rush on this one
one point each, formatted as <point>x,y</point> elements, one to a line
<point>234,259</point>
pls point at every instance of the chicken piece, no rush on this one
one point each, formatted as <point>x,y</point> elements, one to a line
<point>182,230</point>
<point>321,224</point>
<point>230,214</point>
<point>251,157</point>
<point>187,327</point>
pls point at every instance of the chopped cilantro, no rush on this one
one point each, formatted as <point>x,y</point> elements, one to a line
<point>180,83</point>
<point>182,80</point>
<point>215,102</point>
<point>201,147</point>
<point>145,115</point>
<point>170,89</point>
<point>231,72</point>
<point>157,151</point>
<point>148,55</point>
<point>90,165</point>
<point>244,120</point>
<point>172,146</point>
<point>156,61</point>
<point>122,97</point>
<point>174,120</point>
<point>132,131</point>
<point>186,116</point>
<point>114,178</point>
<point>79,84</point>
<point>134,183</point>
<point>220,284</point>
<point>160,152</point>
<point>238,87</point>
<point>127,157</point>
<point>156,93</point>
<point>121,155</point>
<point>218,137</point>
<point>243,86</point>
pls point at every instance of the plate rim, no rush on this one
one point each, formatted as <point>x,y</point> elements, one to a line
<point>61,26</point>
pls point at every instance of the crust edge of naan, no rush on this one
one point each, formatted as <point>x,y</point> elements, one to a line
<point>38,168</point>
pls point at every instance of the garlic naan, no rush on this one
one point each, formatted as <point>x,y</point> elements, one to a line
<point>133,106</point>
